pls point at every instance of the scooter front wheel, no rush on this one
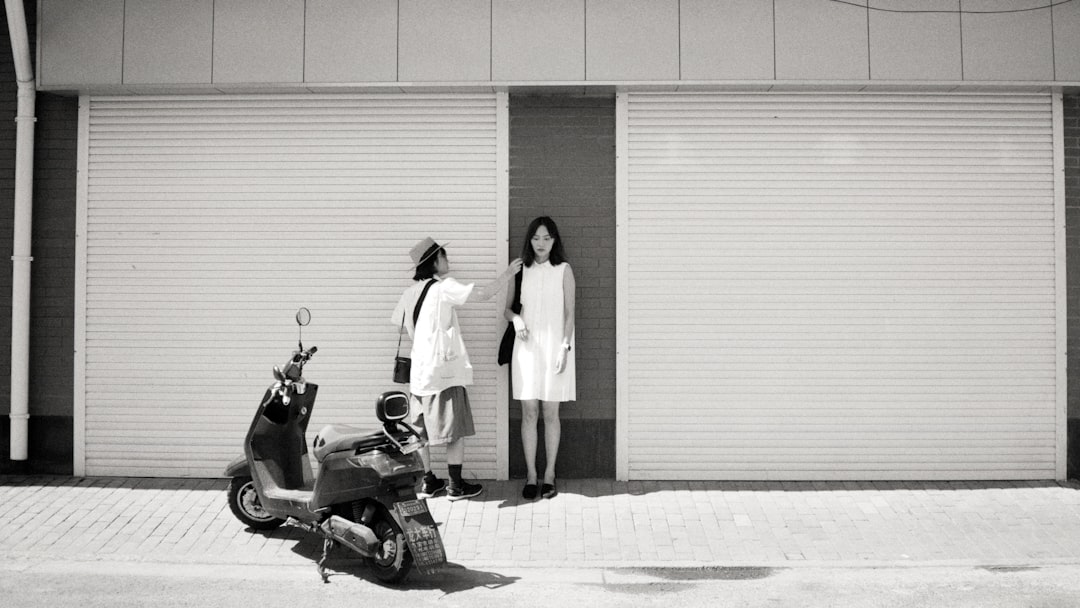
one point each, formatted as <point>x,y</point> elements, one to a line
<point>245,505</point>
<point>388,567</point>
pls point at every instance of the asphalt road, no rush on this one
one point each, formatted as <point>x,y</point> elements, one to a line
<point>33,583</point>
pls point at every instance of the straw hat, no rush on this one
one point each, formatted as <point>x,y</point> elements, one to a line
<point>424,250</point>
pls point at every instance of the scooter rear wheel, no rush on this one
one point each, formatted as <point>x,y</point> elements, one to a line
<point>391,545</point>
<point>245,505</point>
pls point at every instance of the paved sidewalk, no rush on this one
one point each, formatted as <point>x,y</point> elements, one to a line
<point>592,523</point>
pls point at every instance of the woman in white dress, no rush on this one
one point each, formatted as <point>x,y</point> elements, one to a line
<point>542,367</point>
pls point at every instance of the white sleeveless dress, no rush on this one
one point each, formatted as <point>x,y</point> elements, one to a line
<point>533,364</point>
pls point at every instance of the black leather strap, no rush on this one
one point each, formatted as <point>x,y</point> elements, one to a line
<point>515,307</point>
<point>415,314</point>
<point>420,302</point>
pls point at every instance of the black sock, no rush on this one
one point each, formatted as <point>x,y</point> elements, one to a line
<point>455,474</point>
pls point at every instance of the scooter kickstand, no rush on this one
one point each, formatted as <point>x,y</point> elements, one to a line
<point>327,545</point>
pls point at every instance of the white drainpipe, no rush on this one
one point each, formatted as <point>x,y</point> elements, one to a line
<point>24,188</point>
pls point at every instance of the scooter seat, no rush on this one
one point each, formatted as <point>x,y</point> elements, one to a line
<point>341,437</point>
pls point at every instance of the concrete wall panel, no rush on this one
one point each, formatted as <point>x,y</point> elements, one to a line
<point>1007,46</point>
<point>94,45</point>
<point>632,40</point>
<point>913,45</point>
<point>84,42</point>
<point>351,41</point>
<point>818,40</point>
<point>448,40</point>
<point>1067,41</point>
<point>538,41</point>
<point>258,41</point>
<point>726,40</point>
<point>168,42</point>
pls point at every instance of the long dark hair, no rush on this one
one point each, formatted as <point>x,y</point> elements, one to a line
<point>558,254</point>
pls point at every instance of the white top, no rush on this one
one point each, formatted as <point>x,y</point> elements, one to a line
<point>542,310</point>
<point>439,358</point>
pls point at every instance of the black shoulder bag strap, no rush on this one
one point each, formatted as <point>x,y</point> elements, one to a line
<point>415,314</point>
<point>515,307</point>
<point>420,302</point>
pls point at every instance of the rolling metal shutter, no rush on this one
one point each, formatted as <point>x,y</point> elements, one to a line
<point>838,286</point>
<point>209,220</point>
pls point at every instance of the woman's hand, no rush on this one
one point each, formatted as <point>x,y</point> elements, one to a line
<point>514,267</point>
<point>560,361</point>
<point>520,329</point>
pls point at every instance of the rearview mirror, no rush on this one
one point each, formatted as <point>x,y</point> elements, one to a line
<point>303,316</point>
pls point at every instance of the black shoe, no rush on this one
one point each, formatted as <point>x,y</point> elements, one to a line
<point>465,490</point>
<point>431,487</point>
<point>548,490</point>
<point>529,491</point>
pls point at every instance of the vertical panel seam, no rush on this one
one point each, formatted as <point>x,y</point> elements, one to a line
<point>397,41</point>
<point>774,72</point>
<point>502,239</point>
<point>303,46</point>
<point>679,35</point>
<point>1061,286</point>
<point>1053,45</point>
<point>213,34</point>
<point>123,40</point>
<point>491,41</point>
<point>869,66</point>
<point>622,456</point>
<point>81,203</point>
<point>960,16</point>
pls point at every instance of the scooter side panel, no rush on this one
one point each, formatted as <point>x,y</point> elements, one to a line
<point>340,481</point>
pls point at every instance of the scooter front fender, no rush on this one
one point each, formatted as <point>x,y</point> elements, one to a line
<point>238,467</point>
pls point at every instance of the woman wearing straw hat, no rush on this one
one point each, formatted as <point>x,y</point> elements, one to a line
<point>440,364</point>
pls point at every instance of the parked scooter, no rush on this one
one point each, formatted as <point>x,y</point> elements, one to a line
<point>363,496</point>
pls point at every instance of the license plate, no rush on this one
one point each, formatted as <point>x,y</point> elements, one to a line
<point>421,534</point>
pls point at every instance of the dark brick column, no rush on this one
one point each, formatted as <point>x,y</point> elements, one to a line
<point>52,295</point>
<point>562,164</point>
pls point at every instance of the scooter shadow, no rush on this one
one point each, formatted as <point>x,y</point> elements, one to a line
<point>451,578</point>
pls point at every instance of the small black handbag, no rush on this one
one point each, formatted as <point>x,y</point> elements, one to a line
<point>506,345</point>
<point>403,365</point>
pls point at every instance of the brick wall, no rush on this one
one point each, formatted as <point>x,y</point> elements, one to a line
<point>1072,245</point>
<point>52,271</point>
<point>562,164</point>
<point>8,92</point>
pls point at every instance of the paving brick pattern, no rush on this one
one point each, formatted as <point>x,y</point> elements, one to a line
<point>590,523</point>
